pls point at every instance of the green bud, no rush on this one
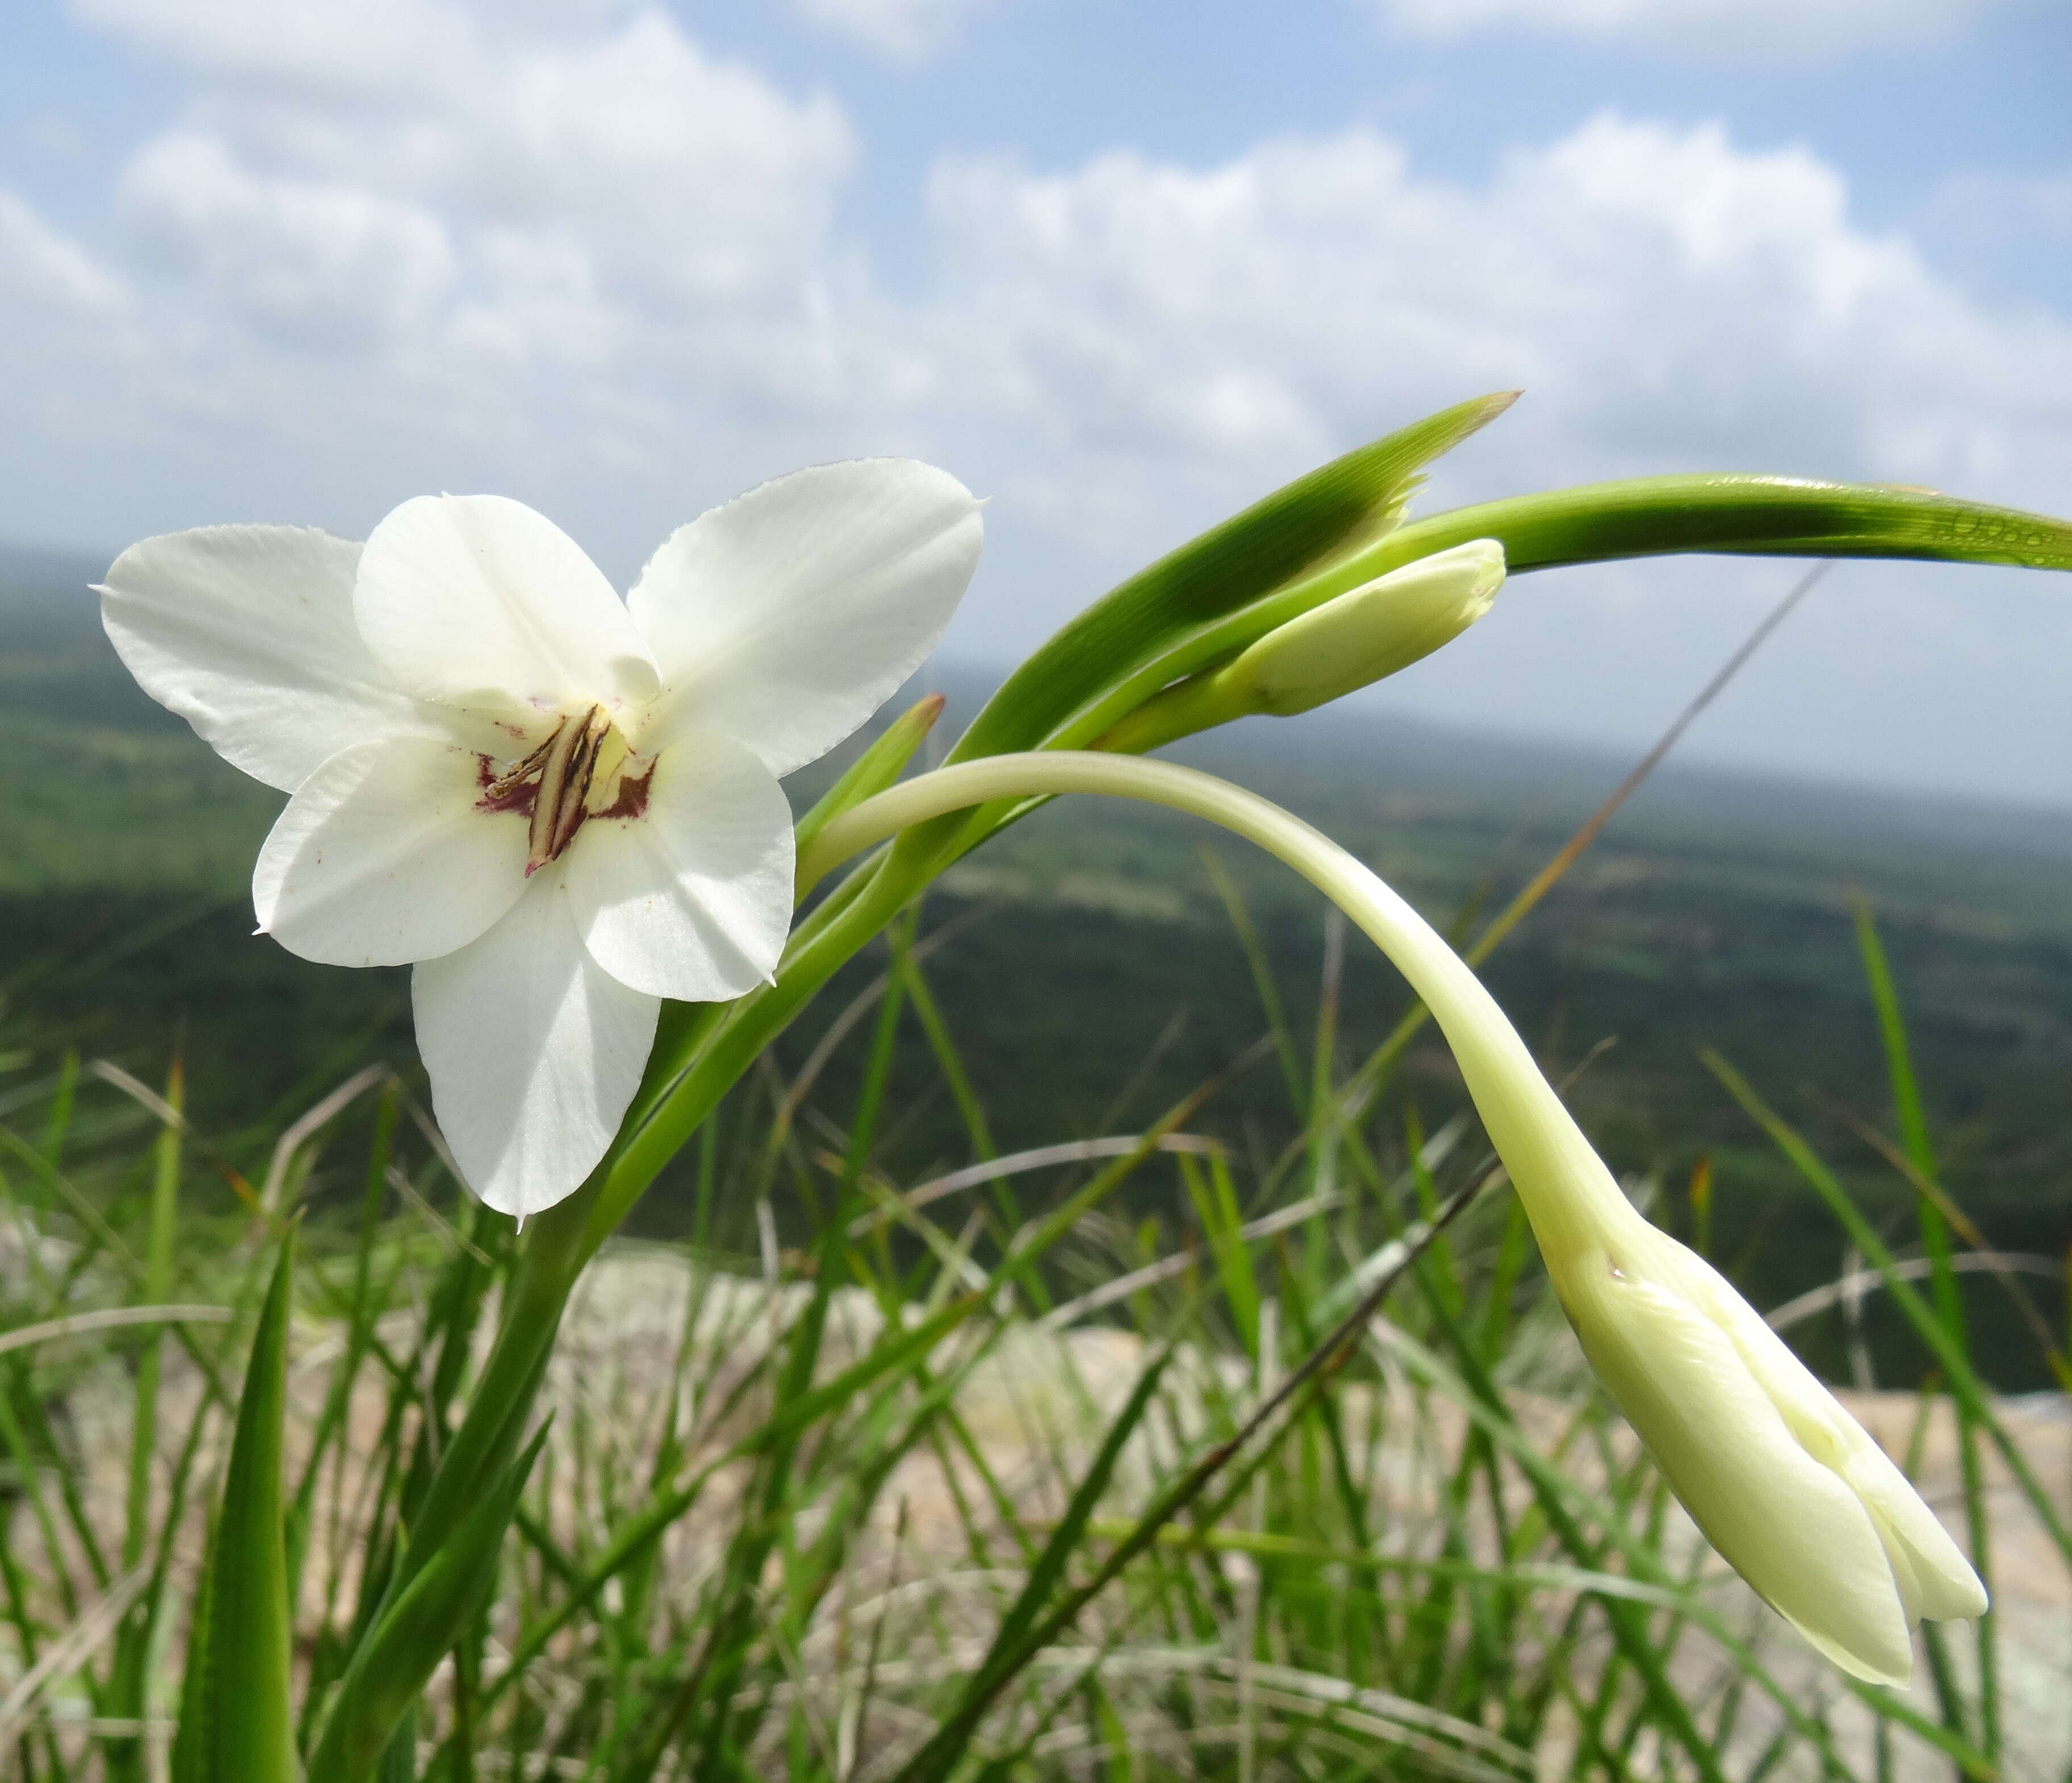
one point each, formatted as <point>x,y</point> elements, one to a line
<point>1345,644</point>
<point>1368,632</point>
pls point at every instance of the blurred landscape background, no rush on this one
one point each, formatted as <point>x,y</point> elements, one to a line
<point>1090,973</point>
<point>1122,270</point>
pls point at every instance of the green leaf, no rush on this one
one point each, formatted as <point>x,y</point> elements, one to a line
<point>1759,515</point>
<point>1332,514</point>
<point>236,1707</point>
<point>389,1667</point>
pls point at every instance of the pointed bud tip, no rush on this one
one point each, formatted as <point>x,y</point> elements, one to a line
<point>1372,631</point>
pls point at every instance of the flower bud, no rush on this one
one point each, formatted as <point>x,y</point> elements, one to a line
<point>1367,632</point>
<point>1784,1483</point>
<point>1792,1491</point>
<point>1334,649</point>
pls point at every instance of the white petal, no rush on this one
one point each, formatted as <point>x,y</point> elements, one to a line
<point>693,898</point>
<point>478,602</point>
<point>1934,1578</point>
<point>534,1050</point>
<point>384,856</point>
<point>1786,1523</point>
<point>248,633</point>
<point>789,615</point>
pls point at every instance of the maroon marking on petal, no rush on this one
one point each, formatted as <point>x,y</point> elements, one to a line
<point>520,798</point>
<point>632,798</point>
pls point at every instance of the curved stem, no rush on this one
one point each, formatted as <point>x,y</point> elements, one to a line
<point>1567,1192</point>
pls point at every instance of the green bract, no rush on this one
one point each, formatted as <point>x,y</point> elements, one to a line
<point>1741,516</point>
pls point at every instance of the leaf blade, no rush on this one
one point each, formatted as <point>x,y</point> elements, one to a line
<point>237,1703</point>
<point>1338,510</point>
<point>1740,515</point>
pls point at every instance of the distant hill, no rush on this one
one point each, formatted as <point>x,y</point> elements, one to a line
<point>55,660</point>
<point>1095,975</point>
<point>44,602</point>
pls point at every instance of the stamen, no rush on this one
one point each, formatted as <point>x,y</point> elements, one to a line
<point>516,775</point>
<point>565,777</point>
<point>551,787</point>
<point>583,768</point>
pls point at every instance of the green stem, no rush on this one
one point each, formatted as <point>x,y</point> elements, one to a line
<point>1567,1191</point>
<point>157,1290</point>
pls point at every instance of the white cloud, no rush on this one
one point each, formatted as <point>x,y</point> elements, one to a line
<point>39,265</point>
<point>526,232</point>
<point>685,176</point>
<point>908,31</point>
<point>1665,297</point>
<point>1138,347</point>
<point>322,263</point>
<point>580,259</point>
<point>1752,31</point>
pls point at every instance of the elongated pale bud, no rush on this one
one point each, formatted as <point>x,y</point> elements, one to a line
<point>1788,1486</point>
<point>1348,643</point>
<point>1791,1488</point>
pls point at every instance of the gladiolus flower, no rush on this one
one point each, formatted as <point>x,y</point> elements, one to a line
<point>560,807</point>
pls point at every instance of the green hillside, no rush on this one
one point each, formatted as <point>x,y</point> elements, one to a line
<point>1092,974</point>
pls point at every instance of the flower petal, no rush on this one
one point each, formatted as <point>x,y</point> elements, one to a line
<point>478,602</point>
<point>247,632</point>
<point>1789,1525</point>
<point>693,898</point>
<point>384,856</point>
<point>1934,1578</point>
<point>789,615</point>
<point>534,1050</point>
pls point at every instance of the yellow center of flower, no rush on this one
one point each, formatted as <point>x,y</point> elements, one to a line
<point>585,769</point>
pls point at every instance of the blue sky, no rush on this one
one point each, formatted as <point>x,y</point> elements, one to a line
<point>1121,267</point>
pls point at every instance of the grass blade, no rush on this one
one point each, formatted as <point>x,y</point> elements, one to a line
<point>237,1711</point>
<point>389,1667</point>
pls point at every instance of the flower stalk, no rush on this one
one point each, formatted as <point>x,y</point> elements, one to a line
<point>1789,1490</point>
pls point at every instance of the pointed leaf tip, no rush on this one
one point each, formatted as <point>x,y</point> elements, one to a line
<point>872,772</point>
<point>1335,514</point>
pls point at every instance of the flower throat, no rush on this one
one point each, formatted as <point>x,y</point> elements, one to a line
<point>579,772</point>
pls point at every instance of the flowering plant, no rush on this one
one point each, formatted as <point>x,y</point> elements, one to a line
<point>565,812</point>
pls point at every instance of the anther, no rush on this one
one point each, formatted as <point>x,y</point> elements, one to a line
<point>568,759</point>
<point>516,775</point>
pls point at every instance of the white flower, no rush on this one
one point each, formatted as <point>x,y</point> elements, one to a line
<point>559,806</point>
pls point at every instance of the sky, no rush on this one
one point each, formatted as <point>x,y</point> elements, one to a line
<point>1121,268</point>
